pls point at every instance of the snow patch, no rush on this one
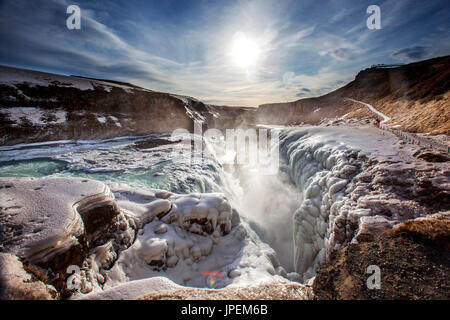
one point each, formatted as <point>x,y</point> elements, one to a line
<point>12,76</point>
<point>35,116</point>
<point>101,119</point>
<point>116,121</point>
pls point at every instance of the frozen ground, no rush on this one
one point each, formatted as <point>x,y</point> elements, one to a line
<point>40,218</point>
<point>336,185</point>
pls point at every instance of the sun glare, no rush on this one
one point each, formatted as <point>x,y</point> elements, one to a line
<point>245,51</point>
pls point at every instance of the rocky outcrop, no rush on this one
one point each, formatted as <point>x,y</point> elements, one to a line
<point>52,224</point>
<point>353,194</point>
<point>226,117</point>
<point>17,284</point>
<point>414,262</point>
<point>37,106</point>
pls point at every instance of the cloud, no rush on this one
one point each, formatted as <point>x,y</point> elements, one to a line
<point>411,53</point>
<point>38,38</point>
<point>305,45</point>
<point>339,53</point>
<point>292,40</point>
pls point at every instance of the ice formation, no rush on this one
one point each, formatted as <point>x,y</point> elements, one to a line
<point>336,186</point>
<point>183,235</point>
<point>152,233</point>
<point>348,192</point>
<point>43,218</point>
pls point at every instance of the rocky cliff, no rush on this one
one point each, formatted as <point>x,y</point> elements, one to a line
<point>415,96</point>
<point>37,106</point>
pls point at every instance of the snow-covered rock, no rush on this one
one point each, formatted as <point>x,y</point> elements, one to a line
<point>133,289</point>
<point>41,219</point>
<point>17,284</point>
<point>183,236</point>
<point>117,235</point>
<point>355,184</point>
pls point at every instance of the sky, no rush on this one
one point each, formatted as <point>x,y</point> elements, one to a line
<point>225,52</point>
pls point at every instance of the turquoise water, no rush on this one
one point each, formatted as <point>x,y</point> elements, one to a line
<point>138,178</point>
<point>37,168</point>
<point>166,175</point>
<point>46,167</point>
<point>115,160</point>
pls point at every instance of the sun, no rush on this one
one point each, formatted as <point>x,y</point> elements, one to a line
<point>245,51</point>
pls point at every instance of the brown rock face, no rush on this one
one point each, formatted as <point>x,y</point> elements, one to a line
<point>99,219</point>
<point>66,218</point>
<point>414,260</point>
<point>137,112</point>
<point>432,157</point>
<point>415,96</point>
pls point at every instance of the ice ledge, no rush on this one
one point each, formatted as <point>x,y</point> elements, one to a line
<point>42,218</point>
<point>355,185</point>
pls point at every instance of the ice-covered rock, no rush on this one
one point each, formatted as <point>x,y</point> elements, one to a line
<point>355,184</point>
<point>43,218</point>
<point>179,237</point>
<point>133,289</point>
<point>201,213</point>
<point>60,223</point>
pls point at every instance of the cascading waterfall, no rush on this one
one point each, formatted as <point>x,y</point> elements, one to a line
<point>312,206</point>
<point>316,202</point>
<point>266,201</point>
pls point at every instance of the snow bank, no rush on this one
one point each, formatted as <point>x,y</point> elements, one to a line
<point>183,236</point>
<point>11,76</point>
<point>133,289</point>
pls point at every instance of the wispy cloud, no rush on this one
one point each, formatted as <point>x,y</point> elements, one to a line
<point>412,53</point>
<point>185,47</point>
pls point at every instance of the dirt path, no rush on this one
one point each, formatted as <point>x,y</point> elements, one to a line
<point>407,136</point>
<point>371,108</point>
